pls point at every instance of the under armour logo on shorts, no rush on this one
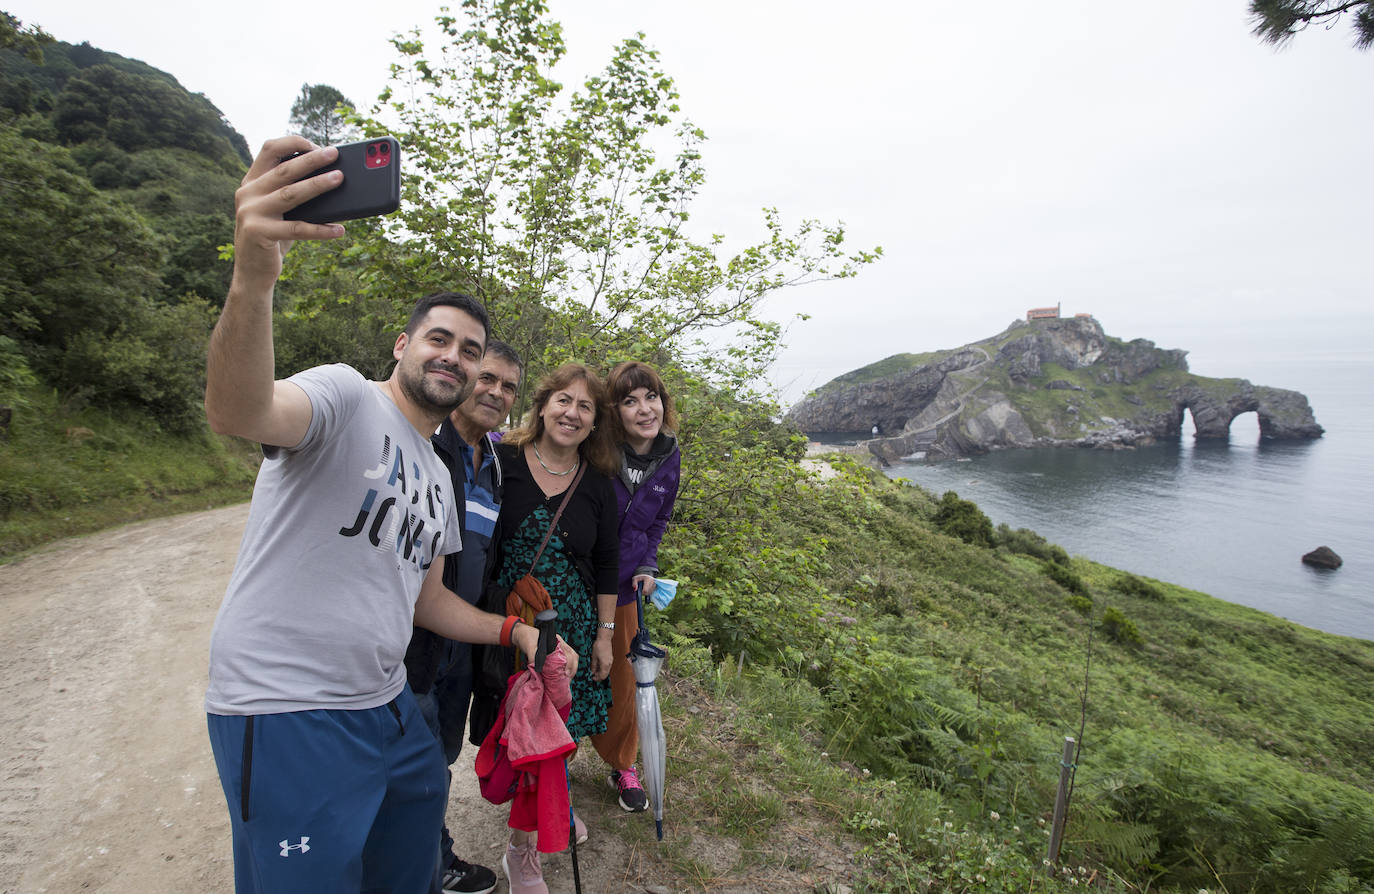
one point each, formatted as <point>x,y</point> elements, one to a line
<point>286,849</point>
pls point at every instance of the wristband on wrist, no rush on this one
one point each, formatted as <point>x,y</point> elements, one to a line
<point>506,627</point>
<point>607,625</point>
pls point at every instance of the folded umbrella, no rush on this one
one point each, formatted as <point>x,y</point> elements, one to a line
<point>645,660</point>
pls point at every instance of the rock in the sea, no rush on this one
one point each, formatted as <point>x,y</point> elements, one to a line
<point>1323,557</point>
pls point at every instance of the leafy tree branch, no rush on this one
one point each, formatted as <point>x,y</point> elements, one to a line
<point>567,211</point>
<point>1276,21</point>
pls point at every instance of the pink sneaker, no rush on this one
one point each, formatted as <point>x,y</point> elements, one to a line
<point>626,783</point>
<point>523,872</point>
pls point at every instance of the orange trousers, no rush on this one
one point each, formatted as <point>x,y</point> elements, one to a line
<point>619,743</point>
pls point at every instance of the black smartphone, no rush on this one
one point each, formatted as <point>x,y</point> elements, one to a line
<point>371,184</point>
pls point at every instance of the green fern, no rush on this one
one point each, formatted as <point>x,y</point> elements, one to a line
<point>1092,829</point>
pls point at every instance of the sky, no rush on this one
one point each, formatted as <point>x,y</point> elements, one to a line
<point>1152,164</point>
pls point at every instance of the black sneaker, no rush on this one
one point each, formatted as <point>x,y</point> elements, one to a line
<point>465,878</point>
<point>626,783</point>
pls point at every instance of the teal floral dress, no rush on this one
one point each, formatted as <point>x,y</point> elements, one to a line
<point>580,539</point>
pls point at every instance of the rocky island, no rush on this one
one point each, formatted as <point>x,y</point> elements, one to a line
<point>1046,381</point>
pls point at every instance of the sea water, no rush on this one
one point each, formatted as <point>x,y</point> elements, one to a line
<point>1231,519</point>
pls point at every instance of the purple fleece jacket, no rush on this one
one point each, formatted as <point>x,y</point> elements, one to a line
<point>644,516</point>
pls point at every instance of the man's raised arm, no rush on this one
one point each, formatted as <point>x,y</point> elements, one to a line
<point>241,395</point>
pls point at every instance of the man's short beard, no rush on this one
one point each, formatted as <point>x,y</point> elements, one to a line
<point>427,395</point>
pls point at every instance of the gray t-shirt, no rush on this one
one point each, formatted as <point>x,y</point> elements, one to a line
<point>340,535</point>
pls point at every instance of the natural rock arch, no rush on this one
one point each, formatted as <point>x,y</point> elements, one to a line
<point>1283,414</point>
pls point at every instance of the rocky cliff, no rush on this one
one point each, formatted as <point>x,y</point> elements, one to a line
<point>1059,382</point>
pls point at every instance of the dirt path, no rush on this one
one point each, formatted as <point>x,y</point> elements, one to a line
<point>106,777</point>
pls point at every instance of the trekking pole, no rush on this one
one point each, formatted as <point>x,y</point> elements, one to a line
<point>572,830</point>
<point>546,622</point>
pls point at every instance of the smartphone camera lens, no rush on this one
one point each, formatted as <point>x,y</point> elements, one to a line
<point>384,148</point>
<point>371,150</point>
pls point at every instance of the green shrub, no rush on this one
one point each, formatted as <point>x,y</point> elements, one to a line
<point>1028,543</point>
<point>1081,604</point>
<point>1120,628</point>
<point>72,259</point>
<point>963,519</point>
<point>1131,585</point>
<point>961,857</point>
<point>15,374</point>
<point>1264,824</point>
<point>1065,577</point>
<point>354,332</point>
<point>154,361</point>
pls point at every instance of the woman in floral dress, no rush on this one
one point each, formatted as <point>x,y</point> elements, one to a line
<point>561,435</point>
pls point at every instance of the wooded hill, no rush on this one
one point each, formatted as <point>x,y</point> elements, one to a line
<point>117,190</point>
<point>892,667</point>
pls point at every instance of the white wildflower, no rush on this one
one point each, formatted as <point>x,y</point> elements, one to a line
<point>995,816</point>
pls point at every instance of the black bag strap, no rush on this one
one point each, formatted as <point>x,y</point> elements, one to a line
<point>567,494</point>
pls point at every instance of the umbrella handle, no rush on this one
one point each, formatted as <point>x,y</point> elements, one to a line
<point>546,622</point>
<point>639,606</point>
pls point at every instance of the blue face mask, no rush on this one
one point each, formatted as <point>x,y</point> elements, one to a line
<point>664,591</point>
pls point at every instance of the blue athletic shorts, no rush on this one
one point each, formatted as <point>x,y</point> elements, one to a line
<point>332,801</point>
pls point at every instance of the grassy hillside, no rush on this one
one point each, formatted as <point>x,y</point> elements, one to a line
<point>882,369</point>
<point>1222,748</point>
<point>67,471</point>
